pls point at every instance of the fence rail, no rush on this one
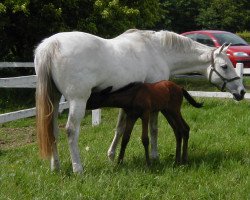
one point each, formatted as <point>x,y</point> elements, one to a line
<point>30,82</point>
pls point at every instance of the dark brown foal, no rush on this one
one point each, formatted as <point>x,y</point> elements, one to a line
<point>139,100</point>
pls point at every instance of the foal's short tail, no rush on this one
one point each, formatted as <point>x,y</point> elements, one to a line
<point>190,99</point>
<point>45,95</point>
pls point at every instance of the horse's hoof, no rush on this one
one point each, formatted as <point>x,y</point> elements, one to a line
<point>155,156</point>
<point>77,168</point>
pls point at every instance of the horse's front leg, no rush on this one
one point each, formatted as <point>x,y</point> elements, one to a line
<point>154,134</point>
<point>76,113</point>
<point>120,128</point>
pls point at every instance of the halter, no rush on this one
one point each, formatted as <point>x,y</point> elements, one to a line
<point>225,80</point>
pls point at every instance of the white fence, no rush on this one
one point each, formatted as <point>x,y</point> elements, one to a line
<point>30,82</point>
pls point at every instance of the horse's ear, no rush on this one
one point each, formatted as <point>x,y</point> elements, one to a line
<point>219,50</point>
<point>226,48</point>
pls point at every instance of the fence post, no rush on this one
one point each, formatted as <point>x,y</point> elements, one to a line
<point>96,117</point>
<point>239,70</point>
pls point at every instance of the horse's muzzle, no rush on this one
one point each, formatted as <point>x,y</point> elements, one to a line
<point>239,96</point>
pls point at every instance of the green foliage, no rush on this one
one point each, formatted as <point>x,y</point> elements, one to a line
<point>24,23</point>
<point>228,15</point>
<point>245,35</point>
<point>179,16</point>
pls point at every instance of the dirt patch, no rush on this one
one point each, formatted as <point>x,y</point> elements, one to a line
<point>15,137</point>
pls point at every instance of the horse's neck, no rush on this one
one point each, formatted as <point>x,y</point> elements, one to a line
<point>184,55</point>
<point>195,60</point>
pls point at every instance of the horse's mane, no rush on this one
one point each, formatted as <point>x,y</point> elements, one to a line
<point>107,90</point>
<point>170,40</point>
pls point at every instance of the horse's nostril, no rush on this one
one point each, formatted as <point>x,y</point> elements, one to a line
<point>242,93</point>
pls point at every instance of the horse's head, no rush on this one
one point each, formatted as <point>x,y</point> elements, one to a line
<point>222,73</point>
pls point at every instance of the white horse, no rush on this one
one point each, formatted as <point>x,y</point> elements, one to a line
<point>75,64</point>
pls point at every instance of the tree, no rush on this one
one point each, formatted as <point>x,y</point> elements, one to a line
<point>179,16</point>
<point>24,23</point>
<point>231,15</point>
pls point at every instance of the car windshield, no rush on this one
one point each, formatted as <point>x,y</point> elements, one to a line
<point>230,38</point>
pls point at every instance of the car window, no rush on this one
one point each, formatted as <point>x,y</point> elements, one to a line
<point>191,36</point>
<point>204,39</point>
<point>230,38</point>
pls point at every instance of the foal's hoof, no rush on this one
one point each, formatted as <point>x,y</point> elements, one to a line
<point>176,164</point>
<point>111,155</point>
<point>120,162</point>
<point>149,164</point>
<point>55,168</point>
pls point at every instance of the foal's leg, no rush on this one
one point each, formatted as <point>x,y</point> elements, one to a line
<point>154,134</point>
<point>120,127</point>
<point>185,141</point>
<point>144,137</point>
<point>130,122</point>
<point>76,113</point>
<point>176,125</point>
<point>54,162</point>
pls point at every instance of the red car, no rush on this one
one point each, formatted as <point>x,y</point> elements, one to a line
<point>238,52</point>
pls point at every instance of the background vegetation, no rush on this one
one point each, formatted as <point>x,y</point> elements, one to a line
<point>24,23</point>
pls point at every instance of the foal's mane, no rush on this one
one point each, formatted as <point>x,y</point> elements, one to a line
<point>133,85</point>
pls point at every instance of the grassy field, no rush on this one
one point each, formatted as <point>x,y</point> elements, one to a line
<point>218,168</point>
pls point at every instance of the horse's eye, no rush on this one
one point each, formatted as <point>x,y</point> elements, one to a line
<point>224,66</point>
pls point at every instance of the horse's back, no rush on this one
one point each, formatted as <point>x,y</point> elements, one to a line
<point>88,61</point>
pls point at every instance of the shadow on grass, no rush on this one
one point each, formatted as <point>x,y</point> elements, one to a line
<point>214,160</point>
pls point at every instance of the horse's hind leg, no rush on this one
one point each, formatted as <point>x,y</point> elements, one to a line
<point>154,134</point>
<point>120,128</point>
<point>76,113</point>
<point>54,162</point>
<point>126,137</point>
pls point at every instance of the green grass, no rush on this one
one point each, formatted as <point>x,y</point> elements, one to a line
<point>219,160</point>
<point>219,157</point>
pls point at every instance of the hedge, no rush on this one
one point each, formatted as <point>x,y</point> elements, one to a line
<point>245,35</point>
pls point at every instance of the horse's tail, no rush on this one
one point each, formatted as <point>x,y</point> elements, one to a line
<point>190,99</point>
<point>45,95</point>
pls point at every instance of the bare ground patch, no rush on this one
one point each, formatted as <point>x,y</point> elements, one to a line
<point>16,137</point>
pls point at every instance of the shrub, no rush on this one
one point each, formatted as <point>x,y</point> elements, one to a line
<point>245,35</point>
